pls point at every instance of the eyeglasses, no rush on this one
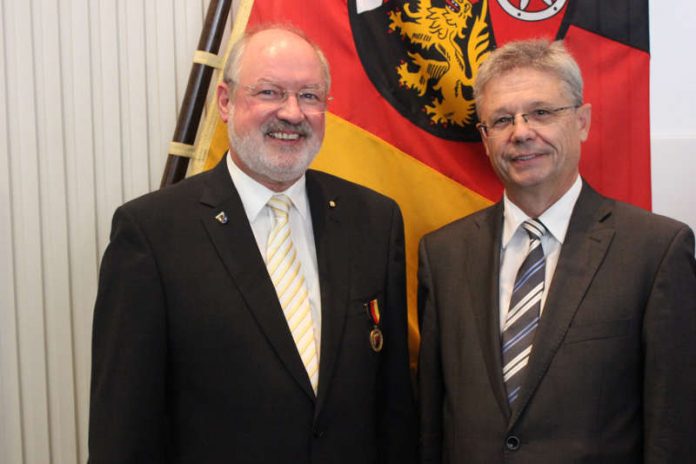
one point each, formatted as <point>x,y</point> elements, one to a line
<point>311,100</point>
<point>536,118</point>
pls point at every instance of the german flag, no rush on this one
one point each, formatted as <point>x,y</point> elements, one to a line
<point>402,119</point>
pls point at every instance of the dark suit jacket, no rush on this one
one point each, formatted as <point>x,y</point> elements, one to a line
<point>612,373</point>
<point>193,360</point>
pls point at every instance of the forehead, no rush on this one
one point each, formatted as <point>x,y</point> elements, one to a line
<point>519,88</point>
<point>282,57</point>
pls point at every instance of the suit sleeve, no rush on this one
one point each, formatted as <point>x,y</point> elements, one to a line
<point>669,344</point>
<point>397,423</point>
<point>429,365</point>
<point>127,405</point>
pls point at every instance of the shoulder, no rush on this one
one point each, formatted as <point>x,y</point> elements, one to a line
<point>467,226</point>
<point>649,232</point>
<point>592,206</point>
<point>191,187</point>
<point>178,200</point>
<point>637,231</point>
<point>633,217</point>
<point>170,207</point>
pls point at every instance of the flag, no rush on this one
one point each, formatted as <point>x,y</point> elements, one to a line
<point>402,119</point>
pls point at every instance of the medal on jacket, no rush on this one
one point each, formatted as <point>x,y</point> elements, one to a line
<point>376,338</point>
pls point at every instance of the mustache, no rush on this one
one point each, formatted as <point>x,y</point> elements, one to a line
<point>302,128</point>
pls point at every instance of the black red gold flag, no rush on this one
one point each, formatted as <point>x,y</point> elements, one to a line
<point>402,119</point>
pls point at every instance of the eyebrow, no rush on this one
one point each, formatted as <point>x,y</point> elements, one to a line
<point>263,80</point>
<point>531,105</point>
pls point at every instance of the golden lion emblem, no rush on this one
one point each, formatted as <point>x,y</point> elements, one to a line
<point>441,30</point>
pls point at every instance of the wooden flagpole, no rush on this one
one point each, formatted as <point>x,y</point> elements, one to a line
<point>196,91</point>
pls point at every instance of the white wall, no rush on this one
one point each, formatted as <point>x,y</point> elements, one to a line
<point>673,109</point>
<point>89,92</point>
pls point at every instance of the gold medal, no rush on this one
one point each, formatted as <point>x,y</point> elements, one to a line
<point>376,339</point>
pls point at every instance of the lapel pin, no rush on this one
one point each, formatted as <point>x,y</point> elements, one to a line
<point>332,204</point>
<point>221,217</point>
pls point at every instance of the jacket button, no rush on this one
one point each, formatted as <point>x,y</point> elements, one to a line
<point>512,443</point>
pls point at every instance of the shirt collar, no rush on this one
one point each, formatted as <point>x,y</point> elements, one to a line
<point>255,196</point>
<point>556,218</point>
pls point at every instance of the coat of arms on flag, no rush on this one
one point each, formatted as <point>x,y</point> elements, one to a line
<point>402,119</point>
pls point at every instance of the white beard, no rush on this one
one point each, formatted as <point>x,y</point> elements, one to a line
<point>277,165</point>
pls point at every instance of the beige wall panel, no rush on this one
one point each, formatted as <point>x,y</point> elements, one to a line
<point>88,101</point>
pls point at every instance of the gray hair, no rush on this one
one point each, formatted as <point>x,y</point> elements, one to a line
<point>539,54</point>
<point>232,67</point>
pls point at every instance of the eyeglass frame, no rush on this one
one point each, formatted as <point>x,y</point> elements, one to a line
<point>285,94</point>
<point>484,129</point>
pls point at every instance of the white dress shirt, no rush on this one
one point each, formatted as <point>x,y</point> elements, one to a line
<point>254,199</point>
<point>515,243</point>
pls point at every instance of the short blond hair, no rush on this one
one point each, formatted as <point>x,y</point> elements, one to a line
<point>539,54</point>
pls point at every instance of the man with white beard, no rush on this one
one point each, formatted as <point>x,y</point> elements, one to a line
<point>256,313</point>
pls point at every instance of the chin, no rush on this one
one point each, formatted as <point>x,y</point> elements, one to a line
<point>285,169</point>
<point>286,174</point>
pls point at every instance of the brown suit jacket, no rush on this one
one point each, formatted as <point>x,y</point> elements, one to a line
<point>612,374</point>
<point>193,361</point>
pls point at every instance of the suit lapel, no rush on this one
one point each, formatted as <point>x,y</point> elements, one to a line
<point>483,269</point>
<point>333,260</point>
<point>586,243</point>
<point>236,246</point>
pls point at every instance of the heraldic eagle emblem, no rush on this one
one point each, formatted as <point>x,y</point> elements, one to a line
<point>446,47</point>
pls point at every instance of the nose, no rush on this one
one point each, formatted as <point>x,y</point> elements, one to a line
<point>290,109</point>
<point>521,130</point>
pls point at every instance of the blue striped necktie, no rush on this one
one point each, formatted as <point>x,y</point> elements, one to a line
<point>523,316</point>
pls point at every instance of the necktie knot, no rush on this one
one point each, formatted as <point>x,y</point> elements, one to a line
<point>535,228</point>
<point>280,205</point>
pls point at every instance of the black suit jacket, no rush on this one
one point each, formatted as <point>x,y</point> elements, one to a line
<point>612,374</point>
<point>193,360</point>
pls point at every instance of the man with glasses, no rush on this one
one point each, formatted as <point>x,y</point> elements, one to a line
<point>557,326</point>
<point>256,313</point>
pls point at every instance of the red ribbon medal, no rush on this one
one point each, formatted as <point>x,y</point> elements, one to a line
<point>376,337</point>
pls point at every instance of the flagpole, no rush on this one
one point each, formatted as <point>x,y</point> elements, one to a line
<point>196,91</point>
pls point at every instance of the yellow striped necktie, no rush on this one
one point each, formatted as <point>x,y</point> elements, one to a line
<point>286,273</point>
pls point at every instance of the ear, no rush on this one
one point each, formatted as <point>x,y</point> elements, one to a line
<point>584,118</point>
<point>223,100</point>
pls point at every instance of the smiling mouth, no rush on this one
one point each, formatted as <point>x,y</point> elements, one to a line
<point>522,158</point>
<point>290,136</point>
<point>284,131</point>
